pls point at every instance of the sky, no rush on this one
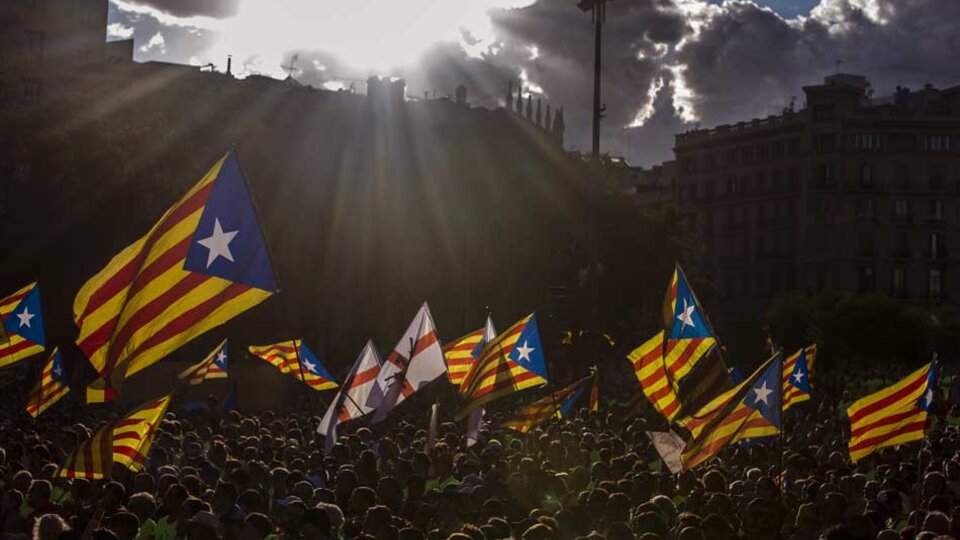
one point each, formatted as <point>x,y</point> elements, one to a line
<point>669,65</point>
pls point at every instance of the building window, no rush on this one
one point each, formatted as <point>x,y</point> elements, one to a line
<point>865,209</point>
<point>937,176</point>
<point>866,141</point>
<point>935,284</point>
<point>901,209</point>
<point>826,142</point>
<point>32,89</point>
<point>936,210</point>
<point>825,175</point>
<point>936,245</point>
<point>902,175</point>
<point>898,287</point>
<point>867,279</point>
<point>936,142</point>
<point>866,175</point>
<point>35,41</point>
<point>902,245</point>
<point>865,243</point>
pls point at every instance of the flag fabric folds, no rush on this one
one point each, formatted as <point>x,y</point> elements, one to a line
<point>22,333</point>
<point>465,351</point>
<point>647,360</point>
<point>203,263</point>
<point>595,395</point>
<point>796,376</point>
<point>688,335</point>
<point>359,395</point>
<point>556,404</point>
<point>294,358</point>
<point>512,362</point>
<point>415,361</point>
<point>125,441</point>
<point>214,366</point>
<point>894,415</point>
<point>50,388</point>
<point>748,411</point>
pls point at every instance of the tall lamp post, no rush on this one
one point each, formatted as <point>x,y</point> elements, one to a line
<point>598,11</point>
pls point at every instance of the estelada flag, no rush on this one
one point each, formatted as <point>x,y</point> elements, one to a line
<point>22,334</point>
<point>294,358</point>
<point>647,360</point>
<point>126,441</point>
<point>50,388</point>
<point>462,353</point>
<point>214,366</point>
<point>894,415</point>
<point>797,369</point>
<point>202,264</point>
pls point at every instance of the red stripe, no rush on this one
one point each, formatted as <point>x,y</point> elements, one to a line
<point>364,377</point>
<point>122,277</point>
<point>460,362</point>
<point>190,317</point>
<point>654,378</point>
<point>425,342</point>
<point>500,385</point>
<point>684,358</point>
<point>889,400</point>
<point>16,348</point>
<point>148,313</point>
<point>14,298</point>
<point>495,350</point>
<point>173,256</point>
<point>918,426</point>
<point>671,408</point>
<point>882,422</point>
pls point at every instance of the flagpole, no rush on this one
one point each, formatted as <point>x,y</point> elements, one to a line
<point>296,349</point>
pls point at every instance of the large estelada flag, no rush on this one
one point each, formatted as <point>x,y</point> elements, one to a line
<point>557,404</point>
<point>22,334</point>
<point>894,415</point>
<point>359,395</point>
<point>462,353</point>
<point>214,366</point>
<point>691,357</point>
<point>295,359</point>
<point>203,263</point>
<point>125,441</point>
<point>751,410</point>
<point>647,360</point>
<point>512,362</point>
<point>797,369</point>
<point>50,388</point>
<point>414,362</point>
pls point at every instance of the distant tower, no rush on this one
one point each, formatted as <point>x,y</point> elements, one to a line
<point>291,68</point>
<point>539,113</point>
<point>509,101</point>
<point>558,125</point>
<point>529,112</point>
<point>230,65</point>
<point>519,107</point>
<point>461,95</point>
<point>547,120</point>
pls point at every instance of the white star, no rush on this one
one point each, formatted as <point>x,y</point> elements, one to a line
<point>218,243</point>
<point>686,316</point>
<point>221,357</point>
<point>763,393</point>
<point>524,352</point>
<point>310,367</point>
<point>798,376</point>
<point>928,397</point>
<point>56,371</point>
<point>25,317</point>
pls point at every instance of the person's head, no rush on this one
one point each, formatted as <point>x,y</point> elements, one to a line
<point>224,498</point>
<point>173,500</point>
<point>937,522</point>
<point>256,526</point>
<point>203,525</point>
<point>538,531</point>
<point>315,524</point>
<point>125,525</point>
<point>375,519</point>
<point>38,494</point>
<point>49,527</point>
<point>361,499</point>
<point>142,505</point>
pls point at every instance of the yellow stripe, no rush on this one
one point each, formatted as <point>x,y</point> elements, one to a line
<point>7,309</point>
<point>673,357</point>
<point>218,316</point>
<point>54,397</point>
<point>7,359</point>
<point>149,420</point>
<point>890,390</point>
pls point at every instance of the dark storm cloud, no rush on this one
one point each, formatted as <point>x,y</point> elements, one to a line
<point>190,8</point>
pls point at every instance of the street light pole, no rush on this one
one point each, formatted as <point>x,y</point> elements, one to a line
<point>598,10</point>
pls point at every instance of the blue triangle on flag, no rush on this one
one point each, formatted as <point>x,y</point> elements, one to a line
<point>528,352</point>
<point>26,320</point>
<point>228,242</point>
<point>310,362</point>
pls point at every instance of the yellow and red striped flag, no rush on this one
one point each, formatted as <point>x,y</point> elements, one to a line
<point>50,388</point>
<point>22,333</point>
<point>797,369</point>
<point>595,394</point>
<point>512,362</point>
<point>750,410</point>
<point>202,264</point>
<point>463,353</point>
<point>554,405</point>
<point>892,416</point>
<point>294,358</point>
<point>647,360</point>
<point>126,441</point>
<point>214,366</point>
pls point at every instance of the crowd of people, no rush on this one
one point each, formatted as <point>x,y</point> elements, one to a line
<point>227,475</point>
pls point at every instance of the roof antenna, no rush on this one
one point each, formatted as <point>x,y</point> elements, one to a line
<point>292,66</point>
